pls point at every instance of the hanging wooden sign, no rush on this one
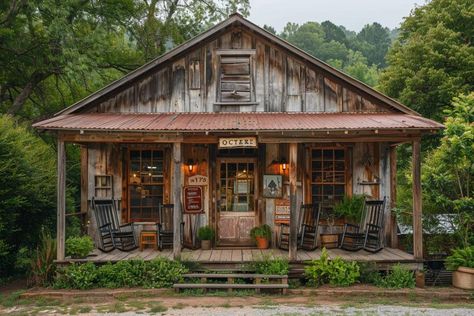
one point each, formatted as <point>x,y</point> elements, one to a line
<point>193,201</point>
<point>282,211</point>
<point>238,142</point>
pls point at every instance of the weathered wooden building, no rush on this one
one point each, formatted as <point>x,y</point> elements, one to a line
<point>226,111</point>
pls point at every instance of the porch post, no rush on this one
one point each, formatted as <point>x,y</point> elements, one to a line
<point>293,148</point>
<point>177,216</point>
<point>417,208</point>
<point>393,197</point>
<point>61,201</point>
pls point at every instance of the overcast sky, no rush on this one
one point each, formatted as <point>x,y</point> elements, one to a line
<point>353,14</point>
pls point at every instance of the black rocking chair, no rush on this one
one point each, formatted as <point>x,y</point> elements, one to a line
<point>368,235</point>
<point>112,234</point>
<point>308,224</point>
<point>165,227</point>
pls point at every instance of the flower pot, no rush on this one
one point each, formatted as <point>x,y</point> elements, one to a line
<point>262,243</point>
<point>205,244</point>
<point>463,278</point>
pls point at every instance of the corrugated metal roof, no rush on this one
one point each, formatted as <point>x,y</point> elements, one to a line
<point>254,121</point>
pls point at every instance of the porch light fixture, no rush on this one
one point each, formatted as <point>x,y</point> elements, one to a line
<point>190,164</point>
<point>283,164</point>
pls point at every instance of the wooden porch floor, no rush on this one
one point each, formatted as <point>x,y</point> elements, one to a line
<point>236,256</point>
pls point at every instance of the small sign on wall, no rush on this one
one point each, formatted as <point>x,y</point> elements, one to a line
<point>193,201</point>
<point>198,180</point>
<point>238,142</point>
<point>282,211</point>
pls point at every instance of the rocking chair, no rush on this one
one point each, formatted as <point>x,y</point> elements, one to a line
<point>165,227</point>
<point>308,224</point>
<point>112,234</point>
<point>368,235</point>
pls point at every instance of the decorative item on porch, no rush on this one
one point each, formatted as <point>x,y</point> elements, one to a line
<point>350,208</point>
<point>261,235</point>
<point>206,235</point>
<point>79,247</point>
<point>272,186</point>
<point>461,262</point>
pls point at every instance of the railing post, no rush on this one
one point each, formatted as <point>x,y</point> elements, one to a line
<point>292,245</point>
<point>393,197</point>
<point>417,207</point>
<point>177,191</point>
<point>61,201</point>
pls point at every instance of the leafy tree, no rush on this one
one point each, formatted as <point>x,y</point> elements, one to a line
<point>356,66</point>
<point>270,29</point>
<point>332,32</point>
<point>373,42</point>
<point>433,59</point>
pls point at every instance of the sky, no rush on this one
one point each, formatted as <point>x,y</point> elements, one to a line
<point>353,14</point>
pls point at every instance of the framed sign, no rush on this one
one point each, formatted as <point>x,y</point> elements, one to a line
<point>272,186</point>
<point>193,201</point>
<point>282,211</point>
<point>198,180</point>
<point>238,142</point>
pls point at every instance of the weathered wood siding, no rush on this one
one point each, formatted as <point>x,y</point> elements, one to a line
<point>279,82</point>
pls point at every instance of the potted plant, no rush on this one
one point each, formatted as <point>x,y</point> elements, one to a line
<point>206,235</point>
<point>79,247</point>
<point>350,208</point>
<point>461,261</point>
<point>261,235</point>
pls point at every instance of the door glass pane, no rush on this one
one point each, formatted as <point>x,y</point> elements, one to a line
<point>237,187</point>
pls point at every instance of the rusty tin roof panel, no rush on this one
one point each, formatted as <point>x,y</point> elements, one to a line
<point>255,121</point>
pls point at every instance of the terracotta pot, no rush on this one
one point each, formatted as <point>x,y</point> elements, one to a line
<point>463,278</point>
<point>262,243</point>
<point>205,244</point>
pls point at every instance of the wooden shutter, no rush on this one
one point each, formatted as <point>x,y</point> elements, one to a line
<point>235,79</point>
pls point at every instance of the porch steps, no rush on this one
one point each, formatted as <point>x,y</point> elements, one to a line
<point>278,282</point>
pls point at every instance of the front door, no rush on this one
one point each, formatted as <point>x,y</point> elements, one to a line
<point>236,205</point>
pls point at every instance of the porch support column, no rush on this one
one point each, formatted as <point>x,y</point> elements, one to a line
<point>417,209</point>
<point>61,201</point>
<point>293,148</point>
<point>177,191</point>
<point>393,197</point>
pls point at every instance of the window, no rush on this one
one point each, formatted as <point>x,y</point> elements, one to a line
<point>145,186</point>
<point>235,79</point>
<point>236,186</point>
<point>328,174</point>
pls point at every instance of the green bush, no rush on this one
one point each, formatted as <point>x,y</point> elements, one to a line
<point>156,273</point>
<point>268,265</point>
<point>206,233</point>
<point>460,258</point>
<point>398,278</point>
<point>350,207</point>
<point>335,272</point>
<point>79,247</point>
<point>263,231</point>
<point>42,267</point>
<point>369,273</point>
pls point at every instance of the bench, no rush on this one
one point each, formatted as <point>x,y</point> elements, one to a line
<point>230,285</point>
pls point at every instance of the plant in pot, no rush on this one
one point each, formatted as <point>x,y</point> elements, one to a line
<point>350,208</point>
<point>261,235</point>
<point>461,261</point>
<point>206,235</point>
<point>79,247</point>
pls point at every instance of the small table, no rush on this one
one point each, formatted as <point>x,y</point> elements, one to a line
<point>147,238</point>
<point>329,241</point>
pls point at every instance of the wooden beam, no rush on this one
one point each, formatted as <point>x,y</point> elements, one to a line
<point>61,201</point>
<point>84,180</point>
<point>293,149</point>
<point>393,197</point>
<point>177,191</point>
<point>417,207</point>
<point>118,137</point>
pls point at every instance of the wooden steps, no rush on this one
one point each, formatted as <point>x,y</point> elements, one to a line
<point>257,279</point>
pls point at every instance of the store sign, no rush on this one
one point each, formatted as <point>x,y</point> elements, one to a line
<point>193,201</point>
<point>198,180</point>
<point>238,142</point>
<point>282,211</point>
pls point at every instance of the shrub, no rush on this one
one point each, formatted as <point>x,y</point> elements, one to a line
<point>350,207</point>
<point>79,247</point>
<point>42,267</point>
<point>206,233</point>
<point>460,258</point>
<point>369,273</point>
<point>263,231</point>
<point>398,278</point>
<point>335,272</point>
<point>268,265</point>
<point>160,272</point>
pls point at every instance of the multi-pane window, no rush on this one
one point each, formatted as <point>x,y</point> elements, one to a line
<point>328,174</point>
<point>145,184</point>
<point>237,186</point>
<point>235,79</point>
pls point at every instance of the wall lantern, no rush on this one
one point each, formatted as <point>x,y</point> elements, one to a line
<point>190,164</point>
<point>283,164</point>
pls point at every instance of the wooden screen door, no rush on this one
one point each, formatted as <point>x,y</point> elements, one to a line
<point>236,205</point>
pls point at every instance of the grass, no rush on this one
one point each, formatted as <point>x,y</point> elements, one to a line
<point>157,307</point>
<point>179,306</point>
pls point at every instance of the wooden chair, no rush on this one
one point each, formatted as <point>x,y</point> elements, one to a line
<point>307,233</point>
<point>165,227</point>
<point>112,234</point>
<point>368,235</point>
